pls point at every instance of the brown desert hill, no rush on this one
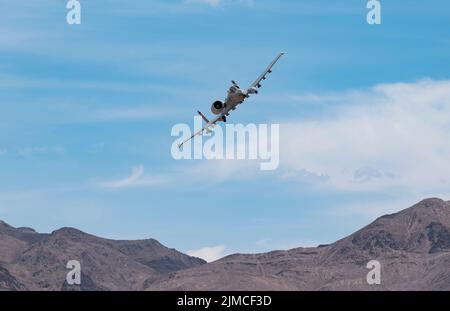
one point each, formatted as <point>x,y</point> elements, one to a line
<point>35,261</point>
<point>412,246</point>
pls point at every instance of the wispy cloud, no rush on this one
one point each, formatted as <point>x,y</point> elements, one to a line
<point>208,2</point>
<point>209,254</point>
<point>20,82</point>
<point>28,151</point>
<point>136,179</point>
<point>174,7</point>
<point>135,113</point>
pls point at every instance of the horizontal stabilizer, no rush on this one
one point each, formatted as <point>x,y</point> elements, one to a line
<point>203,117</point>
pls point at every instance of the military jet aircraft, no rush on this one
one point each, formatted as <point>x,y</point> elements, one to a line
<point>235,97</point>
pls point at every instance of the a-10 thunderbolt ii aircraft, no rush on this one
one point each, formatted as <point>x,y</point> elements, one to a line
<point>235,97</point>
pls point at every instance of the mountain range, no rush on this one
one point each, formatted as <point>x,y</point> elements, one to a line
<point>412,247</point>
<point>36,261</point>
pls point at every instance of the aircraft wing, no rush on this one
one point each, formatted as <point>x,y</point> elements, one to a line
<point>205,128</point>
<point>257,83</point>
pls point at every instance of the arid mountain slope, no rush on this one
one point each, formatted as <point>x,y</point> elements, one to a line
<point>413,247</point>
<point>34,261</point>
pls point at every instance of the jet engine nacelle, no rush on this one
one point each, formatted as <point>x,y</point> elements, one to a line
<point>217,107</point>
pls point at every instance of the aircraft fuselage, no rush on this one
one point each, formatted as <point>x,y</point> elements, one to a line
<point>235,97</point>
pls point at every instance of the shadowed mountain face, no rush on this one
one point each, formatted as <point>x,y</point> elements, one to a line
<point>34,261</point>
<point>412,246</point>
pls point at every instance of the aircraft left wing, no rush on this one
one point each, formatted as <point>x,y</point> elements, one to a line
<point>205,128</point>
<point>257,83</point>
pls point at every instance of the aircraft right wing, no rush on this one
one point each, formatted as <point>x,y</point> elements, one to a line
<point>257,83</point>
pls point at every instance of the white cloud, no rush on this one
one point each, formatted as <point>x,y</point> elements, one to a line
<point>28,151</point>
<point>8,81</point>
<point>135,113</point>
<point>208,2</point>
<point>217,3</point>
<point>391,138</point>
<point>388,137</point>
<point>167,7</point>
<point>209,254</point>
<point>136,179</point>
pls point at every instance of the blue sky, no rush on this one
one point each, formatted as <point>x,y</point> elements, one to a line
<point>363,109</point>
